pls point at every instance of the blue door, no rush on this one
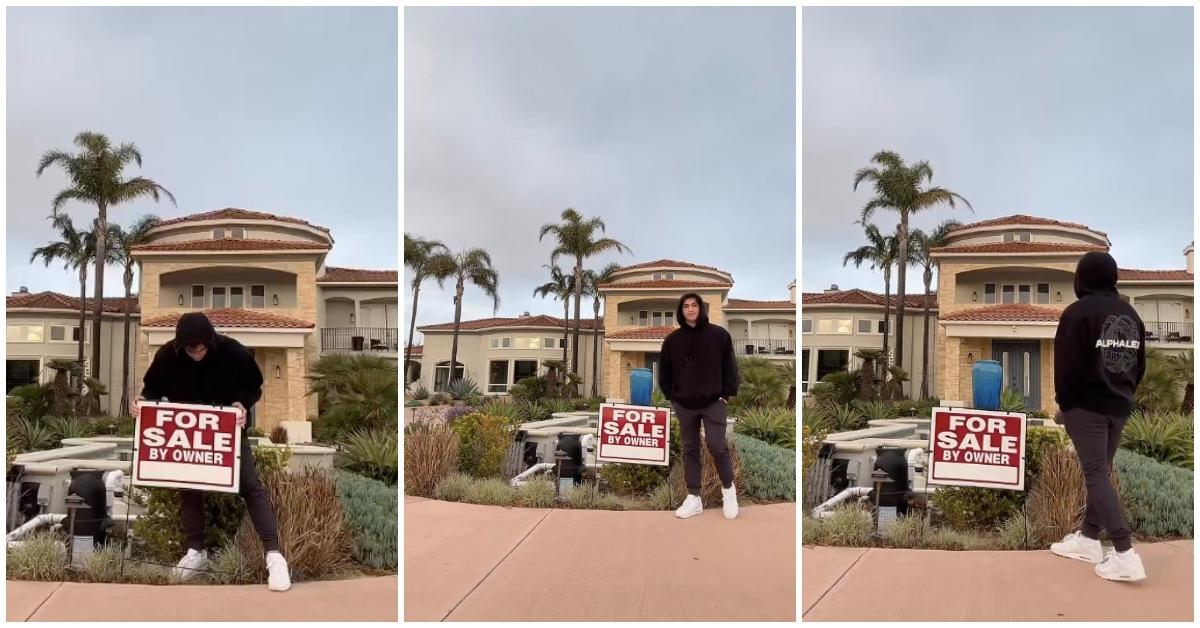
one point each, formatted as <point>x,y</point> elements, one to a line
<point>1020,362</point>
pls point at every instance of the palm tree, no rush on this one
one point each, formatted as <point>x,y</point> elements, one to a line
<point>880,253</point>
<point>898,187</point>
<point>426,259</point>
<point>474,266</point>
<point>560,287</point>
<point>75,249</point>
<point>592,280</point>
<point>94,175</point>
<point>577,237</point>
<point>1182,365</point>
<point>124,241</point>
<point>925,243</point>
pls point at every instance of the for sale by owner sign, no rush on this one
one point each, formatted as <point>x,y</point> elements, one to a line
<point>634,434</point>
<point>984,448</point>
<point>189,446</point>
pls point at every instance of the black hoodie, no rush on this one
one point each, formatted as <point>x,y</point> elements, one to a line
<point>696,366</point>
<point>227,373</point>
<point>1099,349</point>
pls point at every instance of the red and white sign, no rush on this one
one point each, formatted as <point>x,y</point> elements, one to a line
<point>984,448</point>
<point>180,445</point>
<point>634,434</point>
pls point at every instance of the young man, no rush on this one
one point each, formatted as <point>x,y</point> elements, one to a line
<point>1099,359</point>
<point>200,366</point>
<point>698,374</point>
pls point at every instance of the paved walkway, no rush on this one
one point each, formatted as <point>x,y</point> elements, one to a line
<point>859,584</point>
<point>464,562</point>
<point>360,599</point>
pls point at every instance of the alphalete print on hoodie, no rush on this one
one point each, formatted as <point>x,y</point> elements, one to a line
<point>1099,348</point>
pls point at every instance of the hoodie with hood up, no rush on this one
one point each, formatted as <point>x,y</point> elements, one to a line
<point>1099,348</point>
<point>697,366</point>
<point>227,373</point>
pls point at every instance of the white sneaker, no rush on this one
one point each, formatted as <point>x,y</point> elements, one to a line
<point>691,507</point>
<point>1076,545</point>
<point>189,566</point>
<point>278,578</point>
<point>729,501</point>
<point>1124,566</point>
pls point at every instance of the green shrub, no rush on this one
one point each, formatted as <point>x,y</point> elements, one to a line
<point>768,472</point>
<point>1167,437</point>
<point>1158,497</point>
<point>371,509</point>
<point>874,410</point>
<point>42,556</point>
<point>763,383</point>
<point>530,389</point>
<point>483,443</point>
<point>440,399</point>
<point>115,426</point>
<point>279,435</point>
<point>772,425</point>
<point>365,398</point>
<point>659,400</point>
<point>501,408</point>
<point>554,405</point>
<point>1017,532</point>
<point>847,526</point>
<point>463,388</point>
<point>453,488</point>
<point>420,393</point>
<point>662,498</point>
<point>70,427</point>
<point>1038,442</point>
<point>586,497</point>
<point>840,387</point>
<point>430,455</point>
<point>25,435</point>
<point>973,508</point>
<point>373,453</point>
<point>536,493</point>
<point>845,418</point>
<point>631,479</point>
<point>30,402</point>
<point>229,566</point>
<point>1159,390</point>
<point>813,438</point>
<point>106,565</point>
<point>491,492</point>
<point>530,410</point>
<point>1011,400</point>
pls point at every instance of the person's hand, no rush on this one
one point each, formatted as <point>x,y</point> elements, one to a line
<point>135,406</point>
<point>241,417</point>
<point>723,400</point>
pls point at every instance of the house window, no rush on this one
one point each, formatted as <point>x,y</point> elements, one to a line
<point>258,296</point>
<point>198,296</point>
<point>882,326</point>
<point>550,343</point>
<point>833,326</point>
<point>657,276</point>
<point>803,371</point>
<point>1023,293</point>
<point>806,326</point>
<point>236,296</point>
<point>1023,236</point>
<point>1016,236</point>
<point>832,361</point>
<point>218,233</point>
<point>1043,293</point>
<point>989,293</point>
<point>643,318</point>
<point>523,369</point>
<point>58,333</point>
<point>218,297</point>
<point>26,333</point>
<point>441,374</point>
<point>238,233</point>
<point>500,343</point>
<point>1009,294</point>
<point>527,343</point>
<point>657,319</point>
<point>498,376</point>
<point>20,373</point>
<point>76,333</point>
<point>864,326</point>
<point>670,275</point>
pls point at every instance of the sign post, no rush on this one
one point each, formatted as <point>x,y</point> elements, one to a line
<point>634,434</point>
<point>187,446</point>
<point>983,448</point>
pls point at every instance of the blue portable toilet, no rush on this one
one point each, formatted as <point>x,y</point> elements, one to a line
<point>987,377</point>
<point>641,382</point>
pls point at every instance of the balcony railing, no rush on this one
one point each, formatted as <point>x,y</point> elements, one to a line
<point>760,346</point>
<point>1168,332</point>
<point>380,339</point>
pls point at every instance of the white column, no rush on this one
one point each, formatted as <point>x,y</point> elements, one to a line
<point>357,315</point>
<point>749,328</point>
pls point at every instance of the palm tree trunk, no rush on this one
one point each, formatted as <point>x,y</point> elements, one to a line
<point>925,341</point>
<point>412,328</point>
<point>887,315</point>
<point>125,352</point>
<point>458,292</point>
<point>82,328</point>
<point>578,296</point>
<point>98,306</point>
<point>595,344</point>
<point>566,328</point>
<point>903,263</point>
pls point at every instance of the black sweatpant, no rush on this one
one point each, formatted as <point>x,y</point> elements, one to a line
<point>258,506</point>
<point>1096,438</point>
<point>714,420</point>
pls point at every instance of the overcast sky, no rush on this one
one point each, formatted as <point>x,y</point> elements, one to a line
<point>1078,114</point>
<point>285,110</point>
<point>676,126</point>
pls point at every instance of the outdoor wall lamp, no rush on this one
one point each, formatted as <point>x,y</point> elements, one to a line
<point>351,317</point>
<point>970,358</point>
<point>275,299</point>
<point>974,296</point>
<point>1058,296</point>
<point>181,300</point>
<point>278,372</point>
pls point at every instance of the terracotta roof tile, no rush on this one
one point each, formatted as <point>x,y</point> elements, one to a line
<point>1008,312</point>
<point>418,350</point>
<point>864,297</point>
<point>670,263</point>
<point>236,317</point>
<point>489,323</point>
<point>334,274</point>
<point>233,213</point>
<point>1024,219</point>
<point>55,301</point>
<point>1021,247</point>
<point>641,333</point>
<point>667,283</point>
<point>1137,274</point>
<point>230,244</point>
<point>748,304</point>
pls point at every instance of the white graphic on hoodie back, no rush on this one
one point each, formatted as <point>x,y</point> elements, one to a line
<point>1118,343</point>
